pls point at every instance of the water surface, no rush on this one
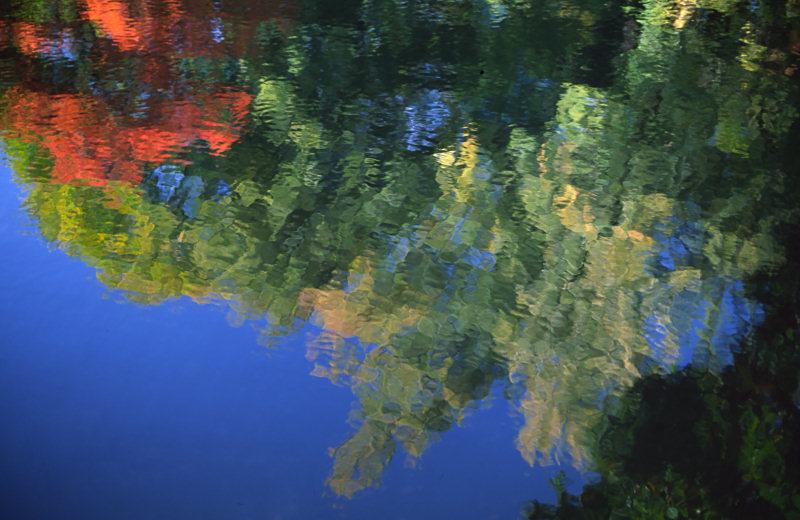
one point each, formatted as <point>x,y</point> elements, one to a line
<point>449,240</point>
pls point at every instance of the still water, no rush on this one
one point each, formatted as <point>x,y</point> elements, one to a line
<point>392,259</point>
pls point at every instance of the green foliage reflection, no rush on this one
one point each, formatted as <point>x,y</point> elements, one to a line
<point>482,204</point>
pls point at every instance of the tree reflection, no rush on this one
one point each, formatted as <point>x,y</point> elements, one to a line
<point>533,220</point>
<point>135,86</point>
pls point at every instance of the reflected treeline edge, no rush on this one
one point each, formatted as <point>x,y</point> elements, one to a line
<point>699,444</point>
<point>585,202</point>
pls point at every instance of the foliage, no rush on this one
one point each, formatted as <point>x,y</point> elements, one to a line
<point>457,193</point>
<point>694,445</point>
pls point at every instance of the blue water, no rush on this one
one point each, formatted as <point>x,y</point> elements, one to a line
<point>112,409</point>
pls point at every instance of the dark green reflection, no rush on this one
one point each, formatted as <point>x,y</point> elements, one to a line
<point>560,197</point>
<point>697,444</point>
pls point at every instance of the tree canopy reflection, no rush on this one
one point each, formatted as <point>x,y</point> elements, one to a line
<point>561,197</point>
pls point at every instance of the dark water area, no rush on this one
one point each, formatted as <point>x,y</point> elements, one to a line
<point>400,259</point>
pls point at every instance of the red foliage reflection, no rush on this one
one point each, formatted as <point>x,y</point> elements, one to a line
<point>96,134</point>
<point>90,145</point>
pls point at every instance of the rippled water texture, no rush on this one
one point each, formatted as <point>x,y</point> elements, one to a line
<point>562,202</point>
